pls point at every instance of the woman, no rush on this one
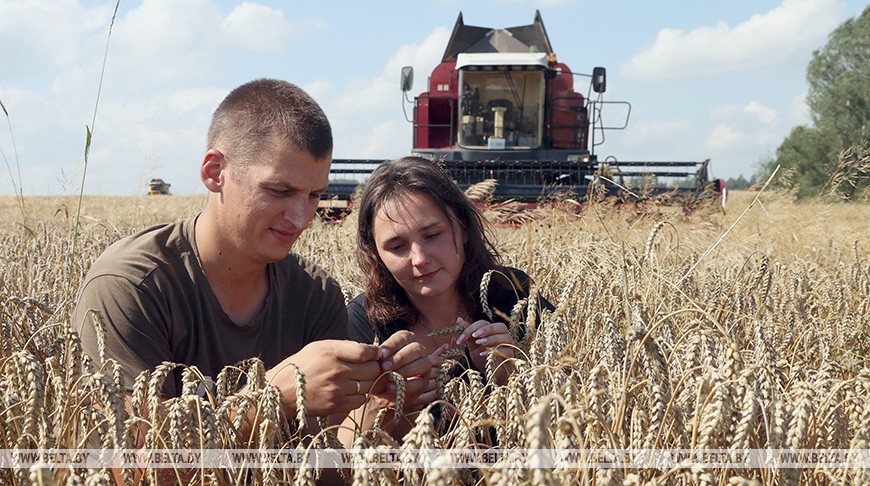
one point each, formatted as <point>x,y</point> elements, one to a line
<point>423,248</point>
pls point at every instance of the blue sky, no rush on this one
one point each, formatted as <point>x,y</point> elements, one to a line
<point>723,80</point>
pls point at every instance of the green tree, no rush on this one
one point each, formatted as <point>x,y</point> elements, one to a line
<point>839,82</point>
<point>811,155</point>
<point>739,182</point>
<point>839,101</point>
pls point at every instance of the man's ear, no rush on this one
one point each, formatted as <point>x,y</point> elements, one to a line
<point>212,170</point>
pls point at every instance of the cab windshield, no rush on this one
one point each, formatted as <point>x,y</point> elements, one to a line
<point>501,108</point>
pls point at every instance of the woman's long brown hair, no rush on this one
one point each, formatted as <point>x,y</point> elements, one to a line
<point>386,301</point>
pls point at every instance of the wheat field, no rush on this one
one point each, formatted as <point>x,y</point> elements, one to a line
<point>738,329</point>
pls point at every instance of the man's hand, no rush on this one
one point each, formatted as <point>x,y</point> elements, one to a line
<point>338,374</point>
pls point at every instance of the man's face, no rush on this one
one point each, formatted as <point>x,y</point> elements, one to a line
<point>266,205</point>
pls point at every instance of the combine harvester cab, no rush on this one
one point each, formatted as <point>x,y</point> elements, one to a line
<point>500,106</point>
<point>158,187</point>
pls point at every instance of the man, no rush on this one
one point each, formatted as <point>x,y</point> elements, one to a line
<point>222,287</point>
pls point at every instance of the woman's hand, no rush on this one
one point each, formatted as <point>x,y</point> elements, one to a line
<point>403,354</point>
<point>483,338</point>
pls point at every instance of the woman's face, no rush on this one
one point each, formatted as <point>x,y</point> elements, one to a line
<point>420,246</point>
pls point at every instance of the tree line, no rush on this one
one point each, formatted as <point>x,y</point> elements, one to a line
<point>832,154</point>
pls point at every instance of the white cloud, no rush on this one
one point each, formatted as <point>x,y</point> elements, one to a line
<point>42,34</point>
<point>165,40</point>
<point>723,137</point>
<point>387,140</point>
<point>168,40</point>
<point>184,100</point>
<point>258,27</point>
<point>364,114</point>
<point>382,91</point>
<point>319,90</point>
<point>765,114</point>
<point>424,57</point>
<point>68,82</point>
<point>645,133</point>
<point>148,138</point>
<point>752,112</point>
<point>785,34</point>
<point>798,113</point>
<point>19,103</point>
<point>362,95</point>
<point>769,138</point>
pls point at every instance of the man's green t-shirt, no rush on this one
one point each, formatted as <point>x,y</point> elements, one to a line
<point>157,305</point>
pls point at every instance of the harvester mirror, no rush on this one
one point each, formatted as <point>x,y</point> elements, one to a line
<point>599,79</point>
<point>407,78</point>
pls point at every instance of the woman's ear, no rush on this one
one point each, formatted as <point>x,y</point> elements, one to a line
<point>212,170</point>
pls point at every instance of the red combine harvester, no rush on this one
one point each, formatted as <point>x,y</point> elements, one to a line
<point>501,106</point>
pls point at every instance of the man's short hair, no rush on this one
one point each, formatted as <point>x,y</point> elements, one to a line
<point>260,113</point>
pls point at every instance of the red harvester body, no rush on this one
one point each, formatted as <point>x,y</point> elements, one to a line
<point>501,106</point>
